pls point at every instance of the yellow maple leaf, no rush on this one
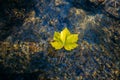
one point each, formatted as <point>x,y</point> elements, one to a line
<point>64,39</point>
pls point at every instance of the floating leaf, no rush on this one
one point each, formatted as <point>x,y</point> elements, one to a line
<point>64,39</point>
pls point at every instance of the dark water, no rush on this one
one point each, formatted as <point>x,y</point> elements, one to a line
<point>27,27</point>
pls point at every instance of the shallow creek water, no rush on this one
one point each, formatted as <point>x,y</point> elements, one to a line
<point>27,29</point>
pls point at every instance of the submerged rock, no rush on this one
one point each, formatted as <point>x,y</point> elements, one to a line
<point>27,49</point>
<point>108,7</point>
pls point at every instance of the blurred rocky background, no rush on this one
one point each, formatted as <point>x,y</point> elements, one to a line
<point>27,27</point>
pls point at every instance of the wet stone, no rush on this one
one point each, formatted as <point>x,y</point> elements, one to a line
<point>26,33</point>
